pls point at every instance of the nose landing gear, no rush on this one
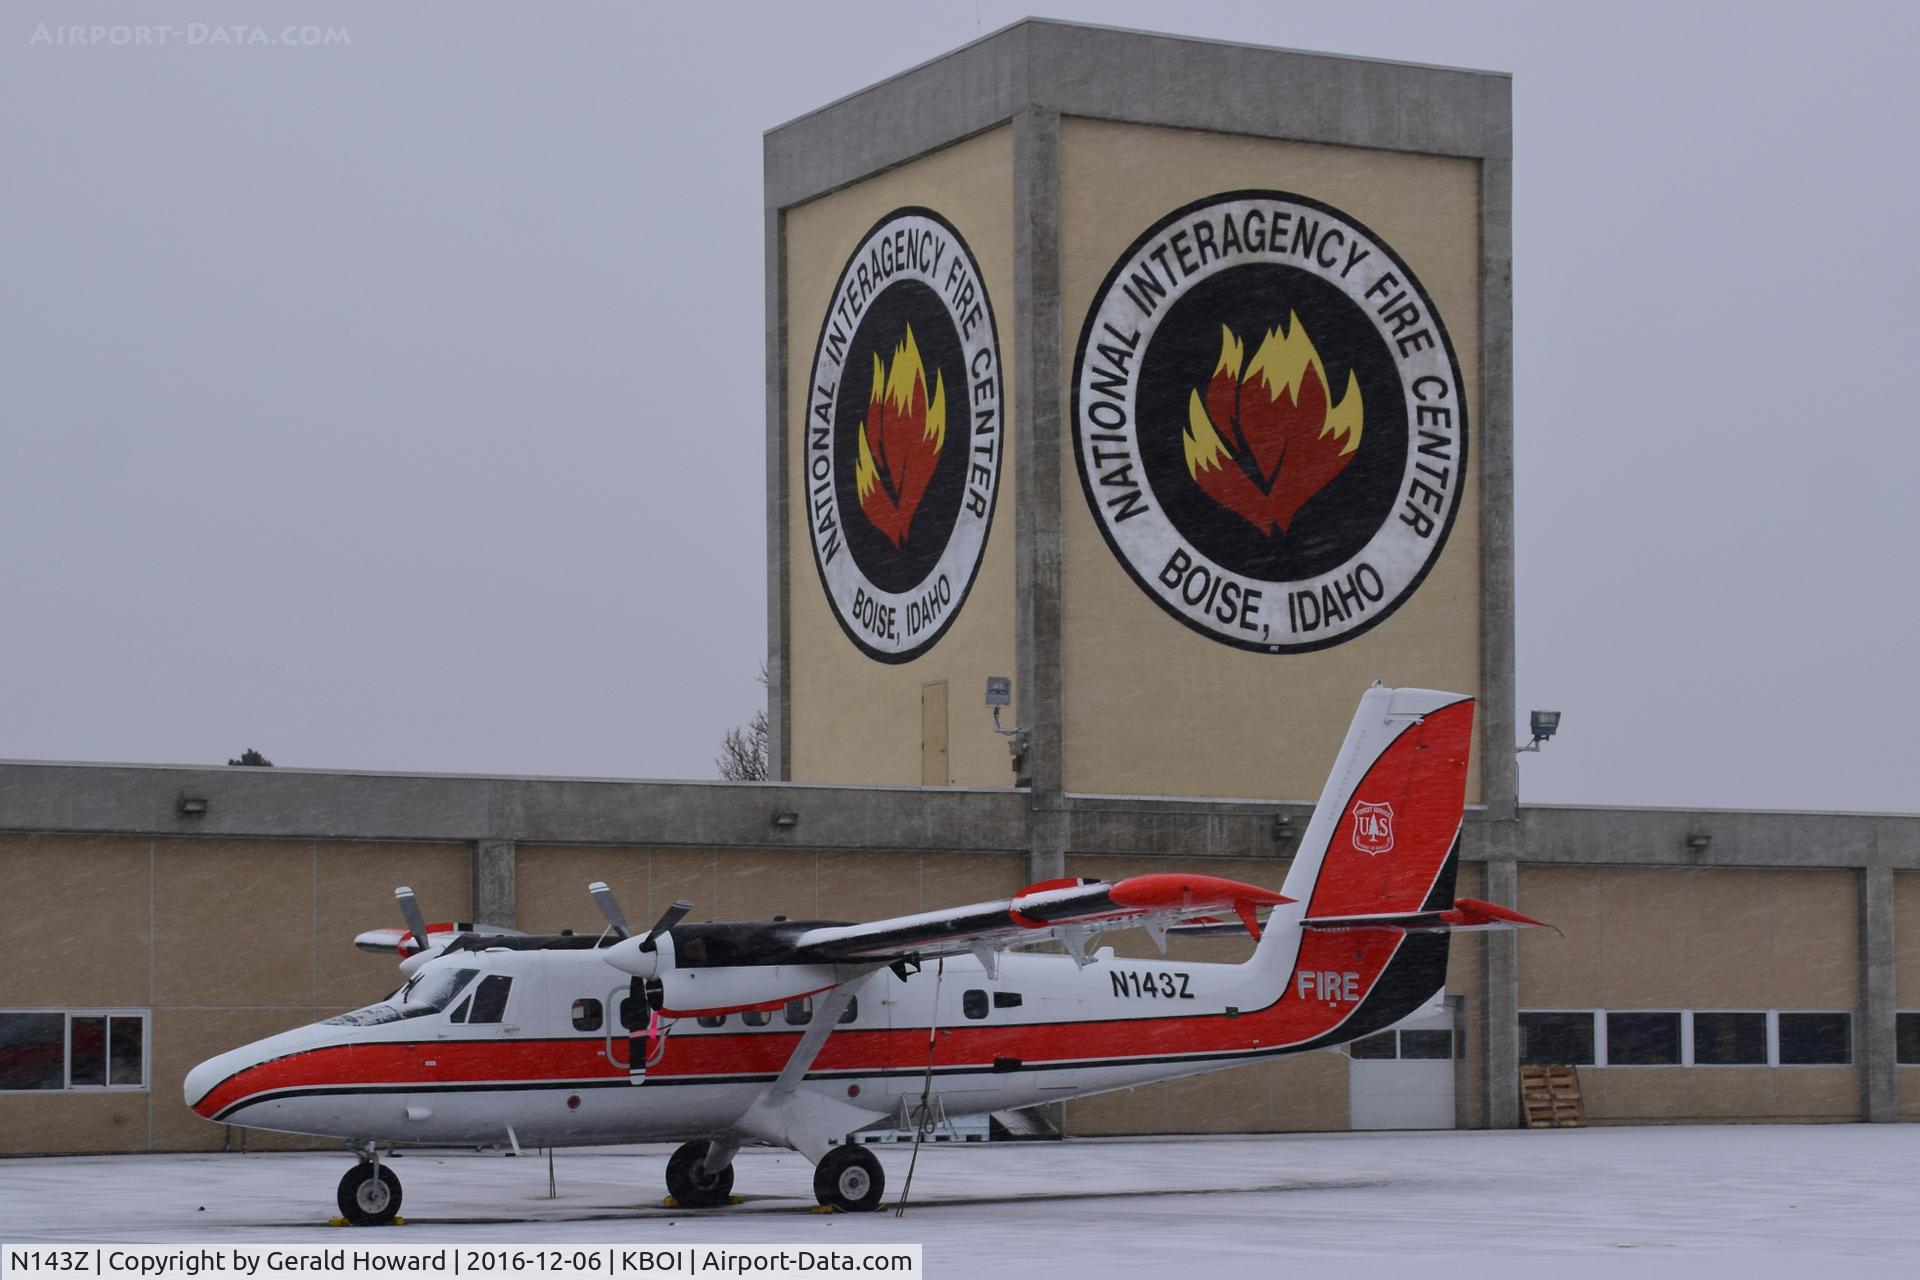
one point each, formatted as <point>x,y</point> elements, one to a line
<point>369,1194</point>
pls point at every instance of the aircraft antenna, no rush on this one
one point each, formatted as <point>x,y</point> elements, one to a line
<point>924,1121</point>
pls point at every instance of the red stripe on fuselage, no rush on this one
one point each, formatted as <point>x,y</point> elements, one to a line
<point>1304,1011</point>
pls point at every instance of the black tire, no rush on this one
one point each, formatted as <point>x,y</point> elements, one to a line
<point>849,1179</point>
<point>689,1183</point>
<point>366,1200</point>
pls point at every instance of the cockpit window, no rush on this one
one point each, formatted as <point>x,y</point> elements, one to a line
<point>490,999</point>
<point>429,991</point>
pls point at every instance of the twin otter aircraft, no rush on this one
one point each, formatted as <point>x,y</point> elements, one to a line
<point>795,1033</point>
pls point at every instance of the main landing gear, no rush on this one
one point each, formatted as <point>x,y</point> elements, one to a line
<point>369,1194</point>
<point>847,1178</point>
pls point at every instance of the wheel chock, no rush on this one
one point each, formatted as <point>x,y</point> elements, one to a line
<point>669,1203</point>
<point>736,1199</point>
<point>823,1208</point>
<point>337,1222</point>
<point>398,1221</point>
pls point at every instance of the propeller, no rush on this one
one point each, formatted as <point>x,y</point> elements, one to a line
<point>668,918</point>
<point>603,898</point>
<point>410,908</point>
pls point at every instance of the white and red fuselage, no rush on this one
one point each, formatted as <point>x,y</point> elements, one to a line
<point>525,1041</point>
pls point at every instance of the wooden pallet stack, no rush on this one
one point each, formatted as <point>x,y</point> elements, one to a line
<point>1550,1096</point>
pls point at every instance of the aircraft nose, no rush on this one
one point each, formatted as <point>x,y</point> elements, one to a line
<point>203,1079</point>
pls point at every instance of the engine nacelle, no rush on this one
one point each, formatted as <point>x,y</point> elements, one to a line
<point>719,988</point>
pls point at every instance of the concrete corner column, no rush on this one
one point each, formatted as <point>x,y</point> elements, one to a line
<point>1879,1076</point>
<point>1500,1003</point>
<point>494,892</point>
<point>1038,424</point>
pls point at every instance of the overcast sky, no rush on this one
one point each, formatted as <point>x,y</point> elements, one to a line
<point>366,403</point>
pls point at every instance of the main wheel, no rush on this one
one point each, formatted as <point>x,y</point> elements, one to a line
<point>849,1179</point>
<point>369,1195</point>
<point>690,1184</point>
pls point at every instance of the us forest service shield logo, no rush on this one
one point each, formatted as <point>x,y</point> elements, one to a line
<point>903,433</point>
<point>1269,421</point>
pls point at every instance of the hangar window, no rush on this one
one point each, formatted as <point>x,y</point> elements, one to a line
<point>88,1049</point>
<point>799,1012</point>
<point>1643,1039</point>
<point>1809,1039</point>
<point>756,1017</point>
<point>587,1015</point>
<point>1430,1044</point>
<point>1906,1037</point>
<point>1730,1039</point>
<point>974,1003</point>
<point>1556,1039</point>
<point>1373,1048</point>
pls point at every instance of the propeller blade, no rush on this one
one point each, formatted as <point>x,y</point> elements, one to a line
<point>669,918</point>
<point>411,910</point>
<point>603,898</point>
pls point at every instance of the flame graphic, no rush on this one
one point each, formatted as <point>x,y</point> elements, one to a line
<point>900,441</point>
<point>1265,439</point>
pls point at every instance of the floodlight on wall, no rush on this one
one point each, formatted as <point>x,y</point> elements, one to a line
<point>190,806</point>
<point>1698,843</point>
<point>786,818</point>
<point>1283,832</point>
<point>1544,725</point>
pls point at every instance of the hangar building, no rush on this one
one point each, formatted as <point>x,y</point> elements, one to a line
<point>1164,387</point>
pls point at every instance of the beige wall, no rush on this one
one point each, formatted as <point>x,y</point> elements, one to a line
<point>1906,984</point>
<point>855,719</point>
<point>1221,721</point>
<point>1703,939</point>
<point>752,884</point>
<point>222,941</point>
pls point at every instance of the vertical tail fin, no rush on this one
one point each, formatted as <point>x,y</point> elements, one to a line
<point>1380,837</point>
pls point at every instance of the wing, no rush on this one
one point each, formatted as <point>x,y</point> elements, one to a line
<point>1054,910</point>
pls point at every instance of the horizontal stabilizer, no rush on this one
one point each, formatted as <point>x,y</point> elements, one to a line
<point>1466,915</point>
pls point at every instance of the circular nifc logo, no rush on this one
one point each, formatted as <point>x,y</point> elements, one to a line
<point>1269,421</point>
<point>901,445</point>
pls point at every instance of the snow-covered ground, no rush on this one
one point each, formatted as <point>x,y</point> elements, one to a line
<point>1754,1202</point>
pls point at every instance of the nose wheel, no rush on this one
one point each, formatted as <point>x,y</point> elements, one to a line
<point>369,1195</point>
<point>849,1179</point>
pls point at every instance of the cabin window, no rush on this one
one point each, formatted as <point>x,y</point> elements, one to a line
<point>1006,999</point>
<point>490,999</point>
<point>73,1050</point>
<point>712,1019</point>
<point>974,1003</point>
<point>756,1017</point>
<point>853,1010</point>
<point>799,1012</point>
<point>587,1015</point>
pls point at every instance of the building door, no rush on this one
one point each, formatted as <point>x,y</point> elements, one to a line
<point>1403,1078</point>
<point>934,771</point>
